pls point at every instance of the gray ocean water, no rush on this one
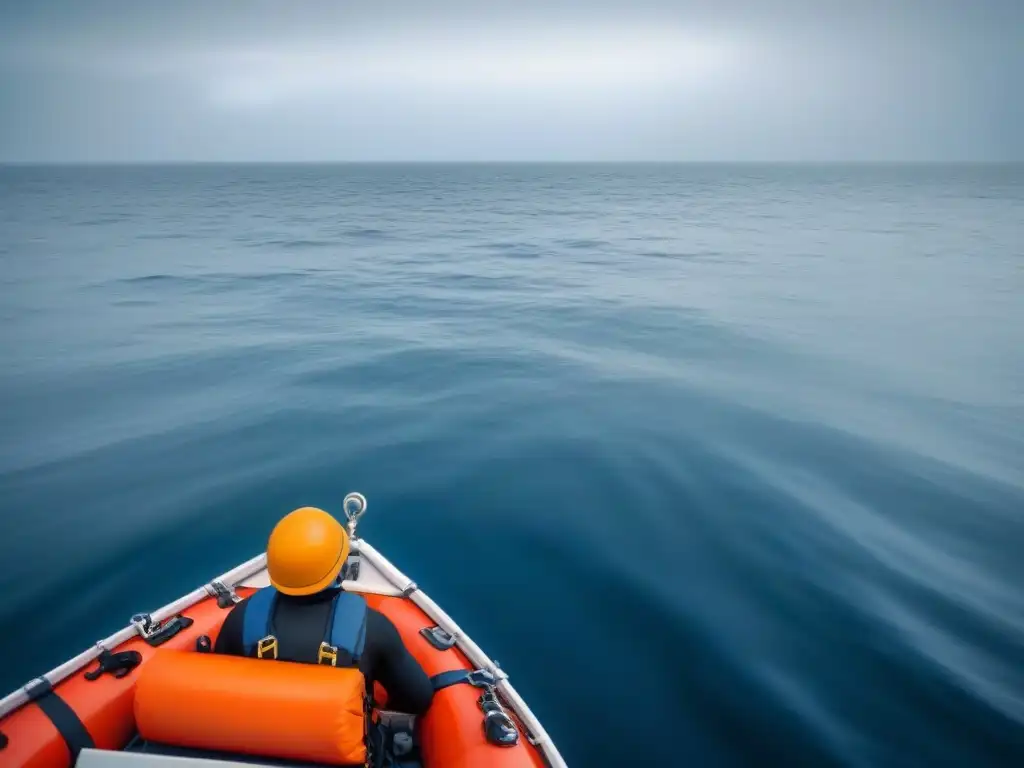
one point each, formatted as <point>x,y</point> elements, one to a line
<point>724,464</point>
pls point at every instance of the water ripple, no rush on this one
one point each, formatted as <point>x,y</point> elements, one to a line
<point>754,430</point>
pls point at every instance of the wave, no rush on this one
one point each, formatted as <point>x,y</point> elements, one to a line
<point>511,250</point>
<point>366,233</point>
<point>293,245</point>
<point>164,236</point>
<point>584,244</point>
<point>218,279</point>
<point>101,221</point>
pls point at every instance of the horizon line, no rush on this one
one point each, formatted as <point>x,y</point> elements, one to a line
<point>152,163</point>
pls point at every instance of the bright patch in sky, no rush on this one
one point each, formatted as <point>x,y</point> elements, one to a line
<point>593,64</point>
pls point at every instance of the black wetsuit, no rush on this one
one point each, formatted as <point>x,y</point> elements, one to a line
<point>299,624</point>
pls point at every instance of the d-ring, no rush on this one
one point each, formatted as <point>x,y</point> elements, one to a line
<point>354,506</point>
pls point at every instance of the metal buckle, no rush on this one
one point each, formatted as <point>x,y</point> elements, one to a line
<point>489,702</point>
<point>268,645</point>
<point>328,652</point>
<point>158,632</point>
<point>500,729</point>
<point>145,625</point>
<point>352,569</point>
<point>481,678</point>
<point>225,597</point>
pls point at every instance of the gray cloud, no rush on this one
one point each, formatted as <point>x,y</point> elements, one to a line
<point>597,80</point>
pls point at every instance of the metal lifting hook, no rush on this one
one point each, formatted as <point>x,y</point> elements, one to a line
<point>354,506</point>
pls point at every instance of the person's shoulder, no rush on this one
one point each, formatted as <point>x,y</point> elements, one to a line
<point>240,605</point>
<point>234,615</point>
<point>229,638</point>
<point>380,626</point>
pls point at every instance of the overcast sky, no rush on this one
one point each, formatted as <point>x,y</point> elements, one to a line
<point>518,80</point>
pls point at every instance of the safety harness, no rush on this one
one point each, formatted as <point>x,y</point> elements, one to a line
<point>346,628</point>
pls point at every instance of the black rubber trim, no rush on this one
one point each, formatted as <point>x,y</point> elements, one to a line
<point>409,590</point>
<point>452,677</point>
<point>63,717</point>
<point>117,664</point>
<point>3,741</point>
<point>477,678</point>
<point>438,638</point>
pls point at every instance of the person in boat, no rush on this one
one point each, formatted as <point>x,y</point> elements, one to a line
<point>305,616</point>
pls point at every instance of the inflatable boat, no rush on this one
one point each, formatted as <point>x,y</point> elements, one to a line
<point>152,694</point>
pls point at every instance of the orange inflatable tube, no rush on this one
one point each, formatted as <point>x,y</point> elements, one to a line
<point>103,706</point>
<point>451,732</point>
<point>270,708</point>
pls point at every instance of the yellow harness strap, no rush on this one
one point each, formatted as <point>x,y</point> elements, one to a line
<point>267,647</point>
<point>327,654</point>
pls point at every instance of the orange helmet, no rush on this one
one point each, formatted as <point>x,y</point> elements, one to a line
<point>306,551</point>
